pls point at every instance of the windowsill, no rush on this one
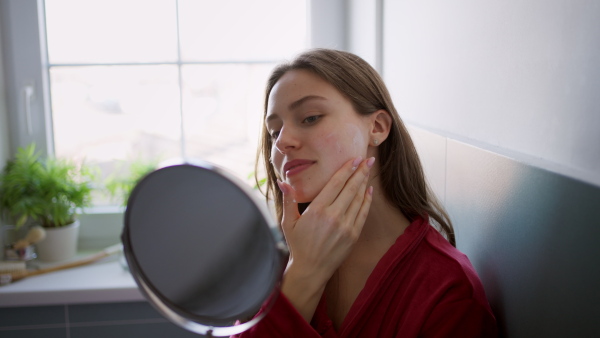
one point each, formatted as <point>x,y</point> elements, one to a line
<point>103,281</point>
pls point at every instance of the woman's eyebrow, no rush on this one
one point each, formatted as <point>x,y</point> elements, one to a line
<point>300,102</point>
<point>295,105</point>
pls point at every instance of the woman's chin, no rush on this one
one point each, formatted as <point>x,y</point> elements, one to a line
<point>306,193</point>
<point>304,196</point>
<point>302,199</point>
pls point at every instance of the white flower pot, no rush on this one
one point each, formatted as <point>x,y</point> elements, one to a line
<point>60,243</point>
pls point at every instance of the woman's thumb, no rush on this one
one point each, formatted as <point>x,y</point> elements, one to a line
<point>290,206</point>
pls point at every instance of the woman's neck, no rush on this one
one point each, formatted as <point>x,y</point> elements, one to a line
<point>383,226</point>
<point>385,223</point>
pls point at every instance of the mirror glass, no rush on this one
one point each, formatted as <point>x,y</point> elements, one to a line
<point>203,248</point>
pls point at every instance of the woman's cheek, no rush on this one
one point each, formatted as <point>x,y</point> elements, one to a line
<point>345,146</point>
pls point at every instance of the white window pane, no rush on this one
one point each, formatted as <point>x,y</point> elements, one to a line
<point>107,115</point>
<point>104,31</point>
<point>241,30</point>
<point>111,116</point>
<point>223,113</point>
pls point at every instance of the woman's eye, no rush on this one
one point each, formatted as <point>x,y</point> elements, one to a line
<point>311,119</point>
<point>274,134</point>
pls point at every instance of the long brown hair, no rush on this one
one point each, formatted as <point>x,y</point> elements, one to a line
<point>401,173</point>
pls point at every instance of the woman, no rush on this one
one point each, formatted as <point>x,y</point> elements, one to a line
<point>355,210</point>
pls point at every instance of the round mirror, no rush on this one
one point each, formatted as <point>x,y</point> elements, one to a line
<point>203,248</point>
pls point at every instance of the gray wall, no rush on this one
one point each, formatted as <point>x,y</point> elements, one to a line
<point>4,137</point>
<point>531,234</point>
<point>517,77</point>
<point>115,320</point>
<point>501,101</point>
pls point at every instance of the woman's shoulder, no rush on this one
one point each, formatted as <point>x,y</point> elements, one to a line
<point>429,245</point>
<point>430,276</point>
<point>425,257</point>
<point>446,264</point>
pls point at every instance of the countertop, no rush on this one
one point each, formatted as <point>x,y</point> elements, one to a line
<point>106,280</point>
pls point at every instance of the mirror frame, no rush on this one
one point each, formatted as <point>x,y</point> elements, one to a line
<point>165,307</point>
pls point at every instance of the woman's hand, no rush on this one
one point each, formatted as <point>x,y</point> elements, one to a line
<point>322,237</point>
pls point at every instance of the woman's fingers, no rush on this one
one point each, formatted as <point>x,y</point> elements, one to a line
<point>339,181</point>
<point>290,206</point>
<point>354,187</point>
<point>332,189</point>
<point>352,210</point>
<point>363,212</point>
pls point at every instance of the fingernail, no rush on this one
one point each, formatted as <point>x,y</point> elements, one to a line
<point>356,162</point>
<point>370,191</point>
<point>370,162</point>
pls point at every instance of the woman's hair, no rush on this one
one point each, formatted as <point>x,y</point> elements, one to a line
<point>401,173</point>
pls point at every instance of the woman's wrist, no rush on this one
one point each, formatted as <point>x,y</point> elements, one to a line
<point>303,288</point>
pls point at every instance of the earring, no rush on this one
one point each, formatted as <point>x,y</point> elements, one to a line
<point>375,141</point>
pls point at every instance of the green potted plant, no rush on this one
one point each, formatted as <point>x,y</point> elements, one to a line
<point>121,183</point>
<point>47,192</point>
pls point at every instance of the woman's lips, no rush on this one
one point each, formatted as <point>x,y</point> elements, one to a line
<point>296,166</point>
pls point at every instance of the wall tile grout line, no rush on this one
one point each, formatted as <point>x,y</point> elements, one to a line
<point>120,322</point>
<point>67,321</point>
<point>85,324</point>
<point>32,327</point>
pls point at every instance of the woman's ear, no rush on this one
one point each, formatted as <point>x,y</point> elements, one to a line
<point>381,123</point>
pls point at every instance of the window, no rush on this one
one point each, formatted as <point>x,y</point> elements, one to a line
<point>150,80</point>
<point>29,72</point>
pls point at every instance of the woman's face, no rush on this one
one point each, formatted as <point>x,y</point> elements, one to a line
<point>314,129</point>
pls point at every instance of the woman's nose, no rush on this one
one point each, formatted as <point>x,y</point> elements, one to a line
<point>286,140</point>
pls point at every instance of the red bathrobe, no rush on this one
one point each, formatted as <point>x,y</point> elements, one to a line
<point>422,287</point>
